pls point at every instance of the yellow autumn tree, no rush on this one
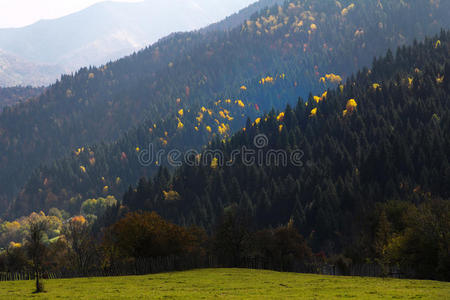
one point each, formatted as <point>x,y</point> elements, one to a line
<point>214,163</point>
<point>410,82</point>
<point>351,105</point>
<point>280,117</point>
<point>222,128</point>
<point>222,115</point>
<point>346,10</point>
<point>171,196</point>
<point>240,103</point>
<point>200,117</point>
<point>333,78</point>
<point>376,86</point>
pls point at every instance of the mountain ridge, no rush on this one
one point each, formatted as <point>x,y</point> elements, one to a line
<point>103,32</point>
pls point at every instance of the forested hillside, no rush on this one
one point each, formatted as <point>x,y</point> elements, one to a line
<point>14,95</point>
<point>305,40</point>
<point>108,169</point>
<point>374,178</point>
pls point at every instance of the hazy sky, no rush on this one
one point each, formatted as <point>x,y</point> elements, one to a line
<point>18,13</point>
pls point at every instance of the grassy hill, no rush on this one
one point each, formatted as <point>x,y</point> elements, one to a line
<point>229,284</point>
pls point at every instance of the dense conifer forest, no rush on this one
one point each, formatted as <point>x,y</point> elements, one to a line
<point>301,41</point>
<point>375,152</point>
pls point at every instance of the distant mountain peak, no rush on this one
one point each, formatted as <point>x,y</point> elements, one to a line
<point>102,32</point>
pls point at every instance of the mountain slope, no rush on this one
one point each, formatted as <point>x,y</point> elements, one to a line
<point>100,33</point>
<point>14,71</point>
<point>304,40</point>
<point>108,169</point>
<point>379,141</point>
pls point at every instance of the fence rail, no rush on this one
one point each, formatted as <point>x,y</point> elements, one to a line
<point>168,264</point>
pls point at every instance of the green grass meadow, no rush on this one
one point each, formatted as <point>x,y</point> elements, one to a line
<point>229,284</point>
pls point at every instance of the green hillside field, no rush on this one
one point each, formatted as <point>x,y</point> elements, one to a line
<point>229,284</point>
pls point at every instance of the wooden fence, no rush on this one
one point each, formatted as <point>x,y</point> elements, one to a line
<point>15,276</point>
<point>172,263</point>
